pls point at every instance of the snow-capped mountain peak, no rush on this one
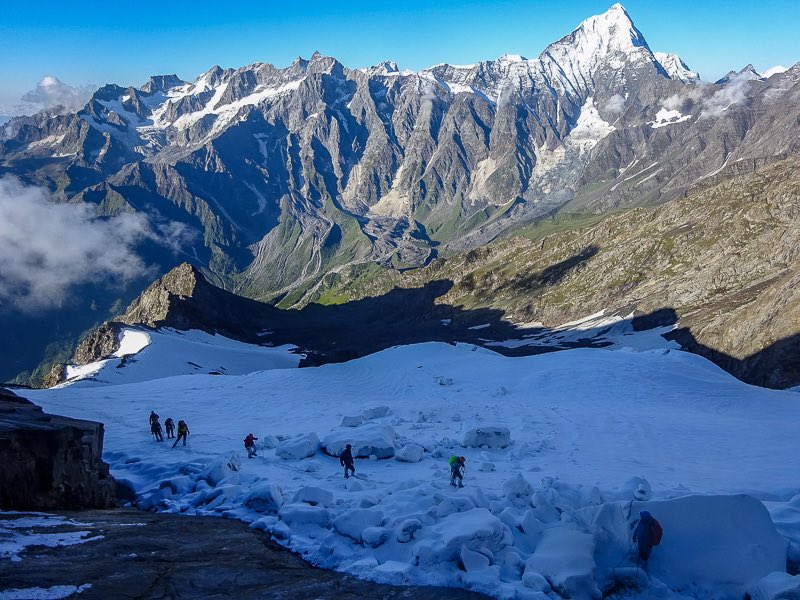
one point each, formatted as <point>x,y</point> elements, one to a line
<point>385,68</point>
<point>609,32</point>
<point>608,42</point>
<point>676,68</point>
<point>748,73</point>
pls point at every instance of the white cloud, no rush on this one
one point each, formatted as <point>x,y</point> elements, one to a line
<point>774,71</point>
<point>47,248</point>
<point>615,105</point>
<point>683,101</point>
<point>50,93</point>
<point>733,92</point>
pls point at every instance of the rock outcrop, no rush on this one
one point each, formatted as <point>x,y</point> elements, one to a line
<point>48,461</point>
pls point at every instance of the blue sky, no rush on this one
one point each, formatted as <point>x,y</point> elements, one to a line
<point>99,42</point>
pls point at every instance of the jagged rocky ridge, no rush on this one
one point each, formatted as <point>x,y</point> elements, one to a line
<point>48,461</point>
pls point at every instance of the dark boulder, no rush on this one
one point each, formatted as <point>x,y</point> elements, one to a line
<point>48,461</point>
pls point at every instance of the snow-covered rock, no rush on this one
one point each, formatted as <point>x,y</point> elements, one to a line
<point>776,586</point>
<point>354,421</point>
<point>475,529</point>
<point>302,446</point>
<point>182,484</point>
<point>531,527</point>
<point>473,561</point>
<point>535,581</point>
<point>353,522</point>
<point>410,453</point>
<point>448,506</point>
<point>710,544</point>
<point>376,412</point>
<point>297,516</point>
<point>367,440</point>
<point>265,497</point>
<point>393,571</point>
<point>220,469</point>
<point>407,530</point>
<point>566,558</point>
<point>643,491</point>
<point>268,442</point>
<point>375,536</point>
<point>518,491</point>
<point>490,436</point>
<point>713,539</point>
<point>313,496</point>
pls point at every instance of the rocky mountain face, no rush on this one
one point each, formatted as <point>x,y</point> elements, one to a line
<point>48,461</point>
<point>287,174</point>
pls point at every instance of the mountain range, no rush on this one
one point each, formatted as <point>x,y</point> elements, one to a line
<point>288,175</point>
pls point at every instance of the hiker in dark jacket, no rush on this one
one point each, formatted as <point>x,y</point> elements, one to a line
<point>155,427</point>
<point>169,425</point>
<point>346,460</point>
<point>250,445</point>
<point>183,431</point>
<point>647,535</point>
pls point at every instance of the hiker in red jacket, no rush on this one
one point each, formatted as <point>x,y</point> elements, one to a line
<point>250,445</point>
<point>648,534</point>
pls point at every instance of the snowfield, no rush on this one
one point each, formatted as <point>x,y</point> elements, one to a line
<point>555,446</point>
<point>178,352</point>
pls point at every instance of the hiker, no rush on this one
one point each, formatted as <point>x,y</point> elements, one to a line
<point>346,460</point>
<point>457,464</point>
<point>155,427</point>
<point>648,534</point>
<point>183,431</point>
<point>169,425</point>
<point>250,445</point>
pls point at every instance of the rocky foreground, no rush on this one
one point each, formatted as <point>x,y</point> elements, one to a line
<point>48,461</point>
<point>131,554</point>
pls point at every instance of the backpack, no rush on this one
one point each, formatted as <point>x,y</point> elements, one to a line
<point>453,459</point>
<point>656,531</point>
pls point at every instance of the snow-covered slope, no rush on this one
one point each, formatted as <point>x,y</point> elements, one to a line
<point>551,508</point>
<point>147,355</point>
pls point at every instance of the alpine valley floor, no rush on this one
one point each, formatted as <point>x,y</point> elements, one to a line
<point>550,515</point>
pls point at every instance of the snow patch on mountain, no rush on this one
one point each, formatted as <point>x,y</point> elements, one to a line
<point>590,127</point>
<point>666,117</point>
<point>148,355</point>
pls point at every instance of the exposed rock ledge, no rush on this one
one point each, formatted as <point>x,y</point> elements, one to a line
<point>48,461</point>
<point>130,554</point>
